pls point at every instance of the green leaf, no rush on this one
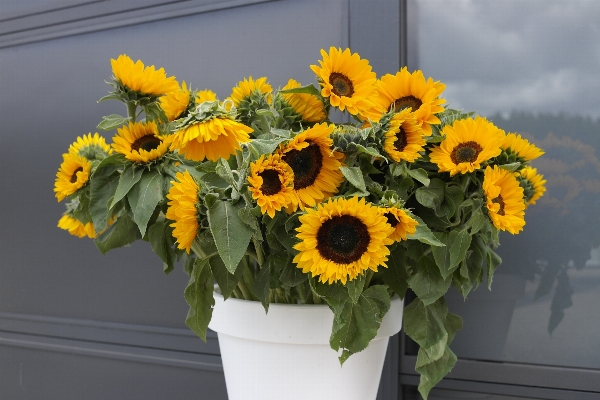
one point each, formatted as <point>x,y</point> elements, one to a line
<point>420,175</point>
<point>262,285</point>
<point>512,167</point>
<point>431,196</point>
<point>227,281</point>
<point>128,179</point>
<point>355,177</point>
<point>308,89</point>
<point>449,257</point>
<point>292,275</point>
<point>335,294</point>
<point>160,235</point>
<point>356,324</point>
<point>423,233</point>
<point>258,147</point>
<point>112,121</point>
<point>122,233</point>
<point>355,287</point>
<point>224,171</point>
<point>144,197</point>
<point>231,234</point>
<point>433,372</point>
<point>477,221</point>
<point>199,295</point>
<point>102,190</point>
<point>396,275</point>
<point>425,324</point>
<point>493,260</point>
<point>368,150</point>
<point>111,96</point>
<point>428,283</point>
<point>453,324</point>
<point>453,198</point>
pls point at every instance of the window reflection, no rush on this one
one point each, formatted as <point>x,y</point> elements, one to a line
<point>411,393</point>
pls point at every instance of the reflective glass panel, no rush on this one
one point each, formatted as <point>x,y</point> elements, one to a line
<point>411,393</point>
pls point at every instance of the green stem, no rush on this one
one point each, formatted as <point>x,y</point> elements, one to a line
<point>198,250</point>
<point>244,289</point>
<point>369,276</point>
<point>316,299</point>
<point>301,292</point>
<point>259,254</point>
<point>237,294</point>
<point>131,111</point>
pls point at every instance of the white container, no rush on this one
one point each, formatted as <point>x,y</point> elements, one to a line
<point>285,354</point>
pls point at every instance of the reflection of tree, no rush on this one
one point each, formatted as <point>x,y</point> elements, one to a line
<point>565,224</point>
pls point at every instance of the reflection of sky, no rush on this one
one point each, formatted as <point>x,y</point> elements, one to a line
<point>498,56</point>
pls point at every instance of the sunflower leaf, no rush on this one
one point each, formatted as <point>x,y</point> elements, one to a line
<point>512,167</point>
<point>420,175</point>
<point>122,233</point>
<point>433,372</point>
<point>226,280</point>
<point>199,295</point>
<point>259,147</point>
<point>396,275</point>
<point>308,89</point>
<point>261,287</point>
<point>493,260</point>
<point>425,324</point>
<point>423,233</point>
<point>355,177</point>
<point>449,257</point>
<point>144,197</point>
<point>427,283</point>
<point>102,189</point>
<point>368,150</point>
<point>431,196</point>
<point>112,121</point>
<point>128,179</point>
<point>160,235</point>
<point>292,275</point>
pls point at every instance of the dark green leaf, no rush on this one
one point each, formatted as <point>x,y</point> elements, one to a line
<point>226,280</point>
<point>425,324</point>
<point>427,282</point>
<point>144,197</point>
<point>102,190</point>
<point>368,150</point>
<point>420,175</point>
<point>160,235</point>
<point>432,196</point>
<point>423,233</point>
<point>493,260</point>
<point>128,179</point>
<point>449,257</point>
<point>199,295</point>
<point>292,275</point>
<point>262,285</point>
<point>355,287</point>
<point>396,275</point>
<point>335,294</point>
<point>453,324</point>
<point>433,372</point>
<point>122,233</point>
<point>477,221</point>
<point>355,177</point>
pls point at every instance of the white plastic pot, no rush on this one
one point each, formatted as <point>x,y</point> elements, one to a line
<point>285,354</point>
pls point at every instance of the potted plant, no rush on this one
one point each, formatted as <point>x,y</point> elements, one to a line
<point>325,225</point>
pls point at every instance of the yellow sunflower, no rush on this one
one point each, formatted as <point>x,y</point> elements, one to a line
<point>145,80</point>
<point>76,227</point>
<point>183,199</point>
<point>205,95</point>
<point>347,80</point>
<point>504,198</point>
<point>176,102</point>
<point>245,88</point>
<point>316,167</point>
<point>467,143</point>
<point>411,90</point>
<point>521,147</point>
<point>341,239</point>
<point>91,147</point>
<point>402,223</point>
<point>271,183</point>
<point>535,185</point>
<point>140,142</point>
<point>213,139</point>
<point>404,138</point>
<point>73,174</point>
<point>309,107</point>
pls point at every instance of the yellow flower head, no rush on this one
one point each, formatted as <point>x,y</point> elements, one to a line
<point>347,80</point>
<point>310,108</point>
<point>205,95</point>
<point>402,223</point>
<point>341,239</point>
<point>404,138</point>
<point>175,103</point>
<point>245,88</point>
<point>521,147</point>
<point>412,91</point>
<point>535,184</point>
<point>271,184</point>
<point>90,147</point>
<point>317,174</point>
<point>504,197</point>
<point>467,143</point>
<point>140,142</point>
<point>76,227</point>
<point>183,199</point>
<point>73,174</point>
<point>144,80</point>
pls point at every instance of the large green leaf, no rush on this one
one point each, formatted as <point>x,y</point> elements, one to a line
<point>258,147</point>
<point>433,372</point>
<point>355,287</point>
<point>431,196</point>
<point>261,287</point>
<point>128,179</point>
<point>291,275</point>
<point>449,257</point>
<point>160,235</point>
<point>420,175</point>
<point>453,324</point>
<point>199,295</point>
<point>396,275</point>
<point>493,260</point>
<point>122,233</point>
<point>144,197</point>
<point>112,121</point>
<point>427,282</point>
<point>423,233</point>
<point>355,177</point>
<point>425,324</point>
<point>102,190</point>
<point>231,234</point>
<point>226,280</point>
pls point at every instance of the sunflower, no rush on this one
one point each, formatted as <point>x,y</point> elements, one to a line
<point>140,142</point>
<point>404,138</point>
<point>467,143</point>
<point>176,102</point>
<point>341,239</point>
<point>205,95</point>
<point>347,80</point>
<point>316,167</point>
<point>411,90</point>
<point>144,80</point>
<point>310,108</point>
<point>247,87</point>
<point>521,147</point>
<point>402,223</point>
<point>213,139</point>
<point>91,147</point>
<point>73,174</point>
<point>534,184</point>
<point>183,197</point>
<point>504,199</point>
<point>271,183</point>
<point>76,227</point>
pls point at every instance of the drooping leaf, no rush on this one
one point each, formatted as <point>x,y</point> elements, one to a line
<point>226,280</point>
<point>396,275</point>
<point>355,287</point>
<point>160,235</point>
<point>199,295</point>
<point>122,233</point>
<point>425,324</point>
<point>493,260</point>
<point>427,282</point>
<point>449,257</point>
<point>291,275</point>
<point>261,288</point>
<point>433,372</point>
<point>423,233</point>
<point>144,197</point>
<point>128,179</point>
<point>453,324</point>
<point>102,190</point>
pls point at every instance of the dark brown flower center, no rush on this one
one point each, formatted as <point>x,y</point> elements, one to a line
<point>343,239</point>
<point>342,85</point>
<point>465,152</point>
<point>74,176</point>
<point>406,102</point>
<point>306,164</point>
<point>148,143</point>
<point>499,200</point>
<point>271,183</point>
<point>401,140</point>
<point>391,219</point>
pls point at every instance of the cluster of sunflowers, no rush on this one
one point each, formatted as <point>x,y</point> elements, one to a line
<point>263,194</point>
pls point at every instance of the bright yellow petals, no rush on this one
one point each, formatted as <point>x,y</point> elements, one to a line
<point>411,90</point>
<point>91,147</point>
<point>76,227</point>
<point>535,183</point>
<point>404,138</point>
<point>176,102</point>
<point>309,107</point>
<point>402,223</point>
<point>73,174</point>
<point>140,142</point>
<point>341,239</point>
<point>467,143</point>
<point>347,80</point>
<point>205,95</point>
<point>183,198</point>
<point>245,88</point>
<point>316,167</point>
<point>145,80</point>
<point>521,147</point>
<point>504,199</point>
<point>212,139</point>
<point>271,184</point>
